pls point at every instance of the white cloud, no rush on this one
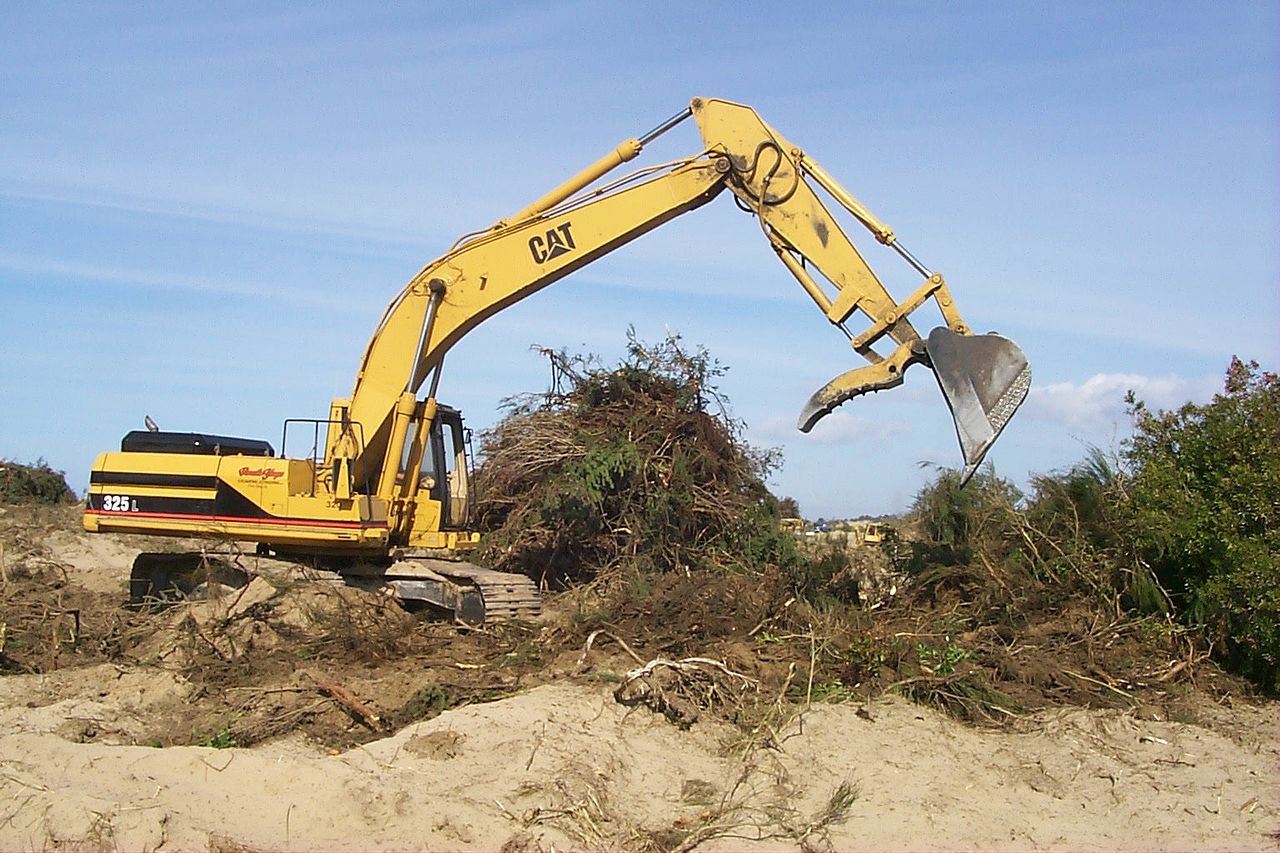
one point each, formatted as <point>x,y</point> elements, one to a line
<point>1099,400</point>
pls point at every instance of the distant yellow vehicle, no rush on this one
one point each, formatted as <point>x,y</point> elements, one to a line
<point>383,493</point>
<point>793,525</point>
<point>874,533</point>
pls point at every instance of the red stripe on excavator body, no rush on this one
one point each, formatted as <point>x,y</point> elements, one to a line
<point>232,519</point>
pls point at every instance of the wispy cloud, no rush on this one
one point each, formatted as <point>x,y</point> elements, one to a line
<point>1098,401</point>
<point>35,265</point>
<point>283,217</point>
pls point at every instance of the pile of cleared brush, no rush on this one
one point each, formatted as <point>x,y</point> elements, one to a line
<point>33,484</point>
<point>637,465</point>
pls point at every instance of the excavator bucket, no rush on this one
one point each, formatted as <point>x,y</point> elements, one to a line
<point>984,379</point>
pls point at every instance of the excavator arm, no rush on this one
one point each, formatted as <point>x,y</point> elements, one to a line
<point>983,378</point>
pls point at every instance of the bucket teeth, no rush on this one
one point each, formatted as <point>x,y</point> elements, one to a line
<point>875,377</point>
<point>833,394</point>
<point>984,379</point>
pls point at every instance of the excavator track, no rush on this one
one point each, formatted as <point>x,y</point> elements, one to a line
<point>471,594</point>
<point>474,595</point>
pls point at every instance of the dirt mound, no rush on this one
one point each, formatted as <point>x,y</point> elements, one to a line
<point>293,651</point>
<point>340,665</point>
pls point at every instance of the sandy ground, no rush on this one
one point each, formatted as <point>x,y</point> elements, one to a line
<point>564,766</point>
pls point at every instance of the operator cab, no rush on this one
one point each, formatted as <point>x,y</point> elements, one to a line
<point>445,472</point>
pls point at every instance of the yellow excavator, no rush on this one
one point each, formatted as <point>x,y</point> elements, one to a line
<point>382,497</point>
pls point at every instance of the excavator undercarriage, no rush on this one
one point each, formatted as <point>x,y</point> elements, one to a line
<point>470,594</point>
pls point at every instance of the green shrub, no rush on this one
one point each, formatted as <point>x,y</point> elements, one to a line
<point>1204,505</point>
<point>957,523</point>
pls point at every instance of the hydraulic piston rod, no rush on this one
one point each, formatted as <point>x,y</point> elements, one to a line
<point>626,150</point>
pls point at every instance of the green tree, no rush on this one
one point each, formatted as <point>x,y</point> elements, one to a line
<point>1204,503</point>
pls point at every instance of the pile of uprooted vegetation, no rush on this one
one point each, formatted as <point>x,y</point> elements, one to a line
<point>622,486</point>
<point>628,491</point>
<point>33,484</point>
<point>627,468</point>
<point>1122,581</point>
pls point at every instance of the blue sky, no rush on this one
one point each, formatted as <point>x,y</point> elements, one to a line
<point>204,208</point>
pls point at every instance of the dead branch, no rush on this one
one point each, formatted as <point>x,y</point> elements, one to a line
<point>693,664</point>
<point>360,711</point>
<point>681,689</point>
<point>586,648</point>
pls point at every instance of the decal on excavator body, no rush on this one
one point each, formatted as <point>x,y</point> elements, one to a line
<point>556,242</point>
